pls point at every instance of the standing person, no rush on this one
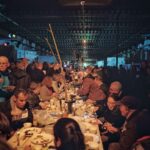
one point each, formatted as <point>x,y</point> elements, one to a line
<point>68,135</point>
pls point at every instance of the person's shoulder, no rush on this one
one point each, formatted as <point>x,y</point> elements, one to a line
<point>117,110</point>
<point>27,105</point>
<point>88,80</point>
<point>144,113</point>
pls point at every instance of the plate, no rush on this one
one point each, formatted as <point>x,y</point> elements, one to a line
<point>28,131</point>
<point>42,139</point>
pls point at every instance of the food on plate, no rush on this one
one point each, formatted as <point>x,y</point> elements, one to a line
<point>42,139</point>
<point>92,146</point>
<point>88,137</point>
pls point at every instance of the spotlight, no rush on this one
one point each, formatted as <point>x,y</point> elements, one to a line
<point>84,41</point>
<point>5,44</point>
<point>13,35</point>
<point>82,3</point>
<point>9,35</point>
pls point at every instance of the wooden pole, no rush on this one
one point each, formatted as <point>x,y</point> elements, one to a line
<point>60,61</point>
<point>50,48</point>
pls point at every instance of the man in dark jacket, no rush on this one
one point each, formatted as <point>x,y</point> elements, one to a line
<point>133,124</point>
<point>20,79</point>
<point>17,109</point>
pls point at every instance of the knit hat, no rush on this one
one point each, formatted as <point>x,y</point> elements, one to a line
<point>130,101</point>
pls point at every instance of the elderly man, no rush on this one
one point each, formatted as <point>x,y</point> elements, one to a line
<point>4,81</point>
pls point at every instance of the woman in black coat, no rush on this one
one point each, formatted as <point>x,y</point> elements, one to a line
<point>112,120</point>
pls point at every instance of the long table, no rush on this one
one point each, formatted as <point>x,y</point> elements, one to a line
<point>40,136</point>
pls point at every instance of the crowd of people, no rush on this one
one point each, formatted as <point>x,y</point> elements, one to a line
<point>121,98</point>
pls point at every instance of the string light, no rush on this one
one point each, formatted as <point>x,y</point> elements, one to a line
<point>84,41</point>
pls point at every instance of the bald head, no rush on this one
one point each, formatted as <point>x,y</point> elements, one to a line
<point>4,63</point>
<point>115,87</point>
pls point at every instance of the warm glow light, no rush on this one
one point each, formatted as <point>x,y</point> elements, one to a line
<point>5,44</point>
<point>84,41</point>
<point>9,35</point>
<point>13,35</point>
<point>82,3</point>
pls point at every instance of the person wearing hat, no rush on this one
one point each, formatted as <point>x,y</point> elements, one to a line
<point>129,108</point>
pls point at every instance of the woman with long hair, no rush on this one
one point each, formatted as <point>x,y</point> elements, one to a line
<point>68,135</point>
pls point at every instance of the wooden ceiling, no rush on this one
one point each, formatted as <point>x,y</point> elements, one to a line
<point>109,26</point>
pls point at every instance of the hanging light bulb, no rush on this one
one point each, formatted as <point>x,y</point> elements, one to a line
<point>84,41</point>
<point>82,3</point>
<point>13,35</point>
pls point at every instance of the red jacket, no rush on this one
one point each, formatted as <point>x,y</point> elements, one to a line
<point>91,89</point>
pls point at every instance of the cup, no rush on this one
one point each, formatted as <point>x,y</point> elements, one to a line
<point>27,125</point>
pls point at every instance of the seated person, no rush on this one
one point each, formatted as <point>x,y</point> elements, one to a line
<point>5,146</point>
<point>33,95</point>
<point>136,124</point>
<point>5,88</point>
<point>101,90</point>
<point>142,143</point>
<point>91,89</point>
<point>68,135</point>
<point>112,121</point>
<point>4,127</point>
<point>46,90</point>
<point>17,109</point>
<point>58,82</point>
<point>19,77</point>
<point>143,131</point>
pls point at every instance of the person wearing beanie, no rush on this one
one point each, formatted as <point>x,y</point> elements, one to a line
<point>129,108</point>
